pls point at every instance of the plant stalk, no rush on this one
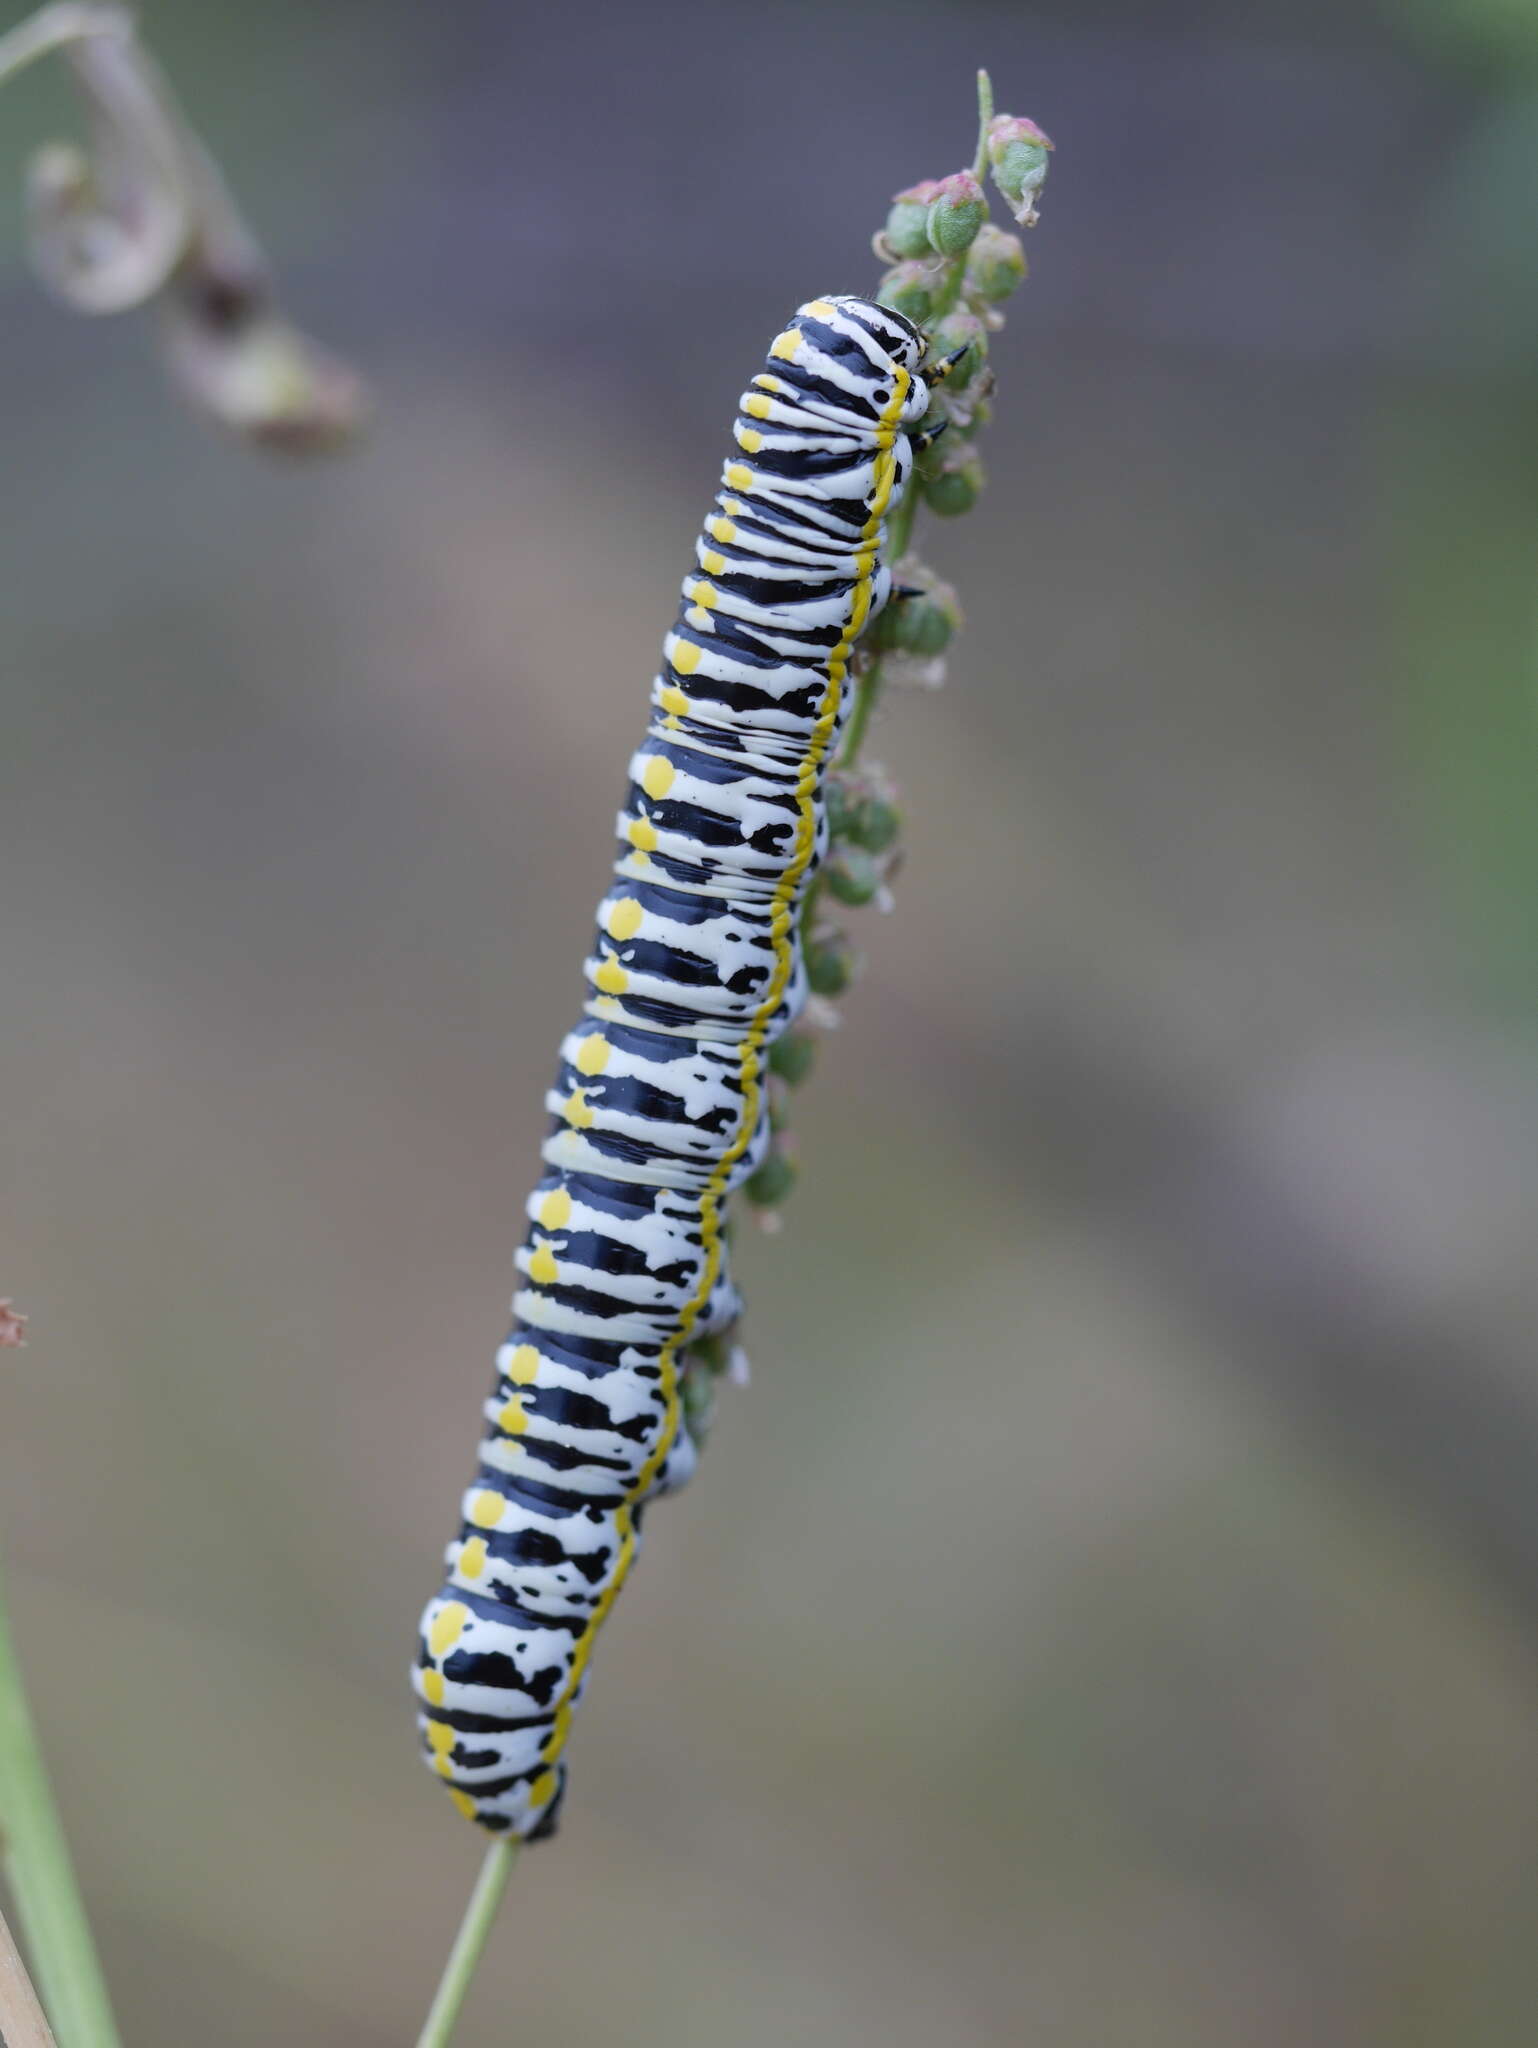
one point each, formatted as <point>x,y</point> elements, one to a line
<point>468,1944</point>
<point>34,1859</point>
<point>984,116</point>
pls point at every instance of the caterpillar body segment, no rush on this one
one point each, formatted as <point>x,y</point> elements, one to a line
<point>658,1108</point>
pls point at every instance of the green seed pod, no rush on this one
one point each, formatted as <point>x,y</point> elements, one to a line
<point>921,624</point>
<point>772,1182</point>
<point>909,289</point>
<point>956,212</point>
<point>955,489</point>
<point>853,875</point>
<point>931,624</point>
<point>961,330</point>
<point>1017,156</point>
<point>907,230</point>
<point>996,264</point>
<point>830,964</point>
<point>878,824</point>
<point>839,793</point>
<point>792,1057</point>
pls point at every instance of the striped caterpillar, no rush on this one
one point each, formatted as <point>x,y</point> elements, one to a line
<point>659,1107</point>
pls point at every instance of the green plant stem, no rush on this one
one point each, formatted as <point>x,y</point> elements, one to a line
<point>468,1943</point>
<point>984,116</point>
<point>37,1869</point>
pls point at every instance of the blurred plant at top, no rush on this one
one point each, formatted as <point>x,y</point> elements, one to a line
<point>143,217</point>
<point>951,272</point>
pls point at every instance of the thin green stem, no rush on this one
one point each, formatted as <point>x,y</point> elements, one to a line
<point>54,28</point>
<point>866,691</point>
<point>984,116</point>
<point>468,1943</point>
<point>35,1861</point>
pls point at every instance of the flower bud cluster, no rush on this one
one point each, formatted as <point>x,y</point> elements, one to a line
<point>864,855</point>
<point>950,272</point>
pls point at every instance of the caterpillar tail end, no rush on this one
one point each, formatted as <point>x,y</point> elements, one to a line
<point>508,1779</point>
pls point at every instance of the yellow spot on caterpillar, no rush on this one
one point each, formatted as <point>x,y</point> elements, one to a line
<point>440,1736</point>
<point>704,594</point>
<point>731,505</point>
<point>624,918</point>
<point>543,1270</point>
<point>463,1801</point>
<point>749,438</point>
<point>657,776</point>
<point>785,345</point>
<point>702,620</point>
<point>555,1209</point>
<point>486,1510</point>
<point>712,563</point>
<point>614,981</point>
<point>686,658</point>
<point>448,1624</point>
<point>672,699</point>
<point>544,1788</point>
<point>606,1006</point>
<point>472,1558</point>
<point>641,832</point>
<point>511,1419</point>
<point>760,408</point>
<point>822,309</point>
<point>723,531</point>
<point>523,1366</point>
<point>444,1766</point>
<point>432,1688</point>
<point>739,476</point>
<point>767,383</point>
<point>592,1058</point>
<point>575,1108</point>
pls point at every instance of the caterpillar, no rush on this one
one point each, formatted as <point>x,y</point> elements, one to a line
<point>658,1110</point>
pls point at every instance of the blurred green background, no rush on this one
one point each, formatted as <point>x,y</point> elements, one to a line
<point>1110,1619</point>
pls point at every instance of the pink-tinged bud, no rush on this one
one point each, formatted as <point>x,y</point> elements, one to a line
<point>995,264</point>
<point>956,488</point>
<point>1017,155</point>
<point>906,233</point>
<point>956,212</point>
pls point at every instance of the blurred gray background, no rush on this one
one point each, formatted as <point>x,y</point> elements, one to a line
<point>1110,1619</point>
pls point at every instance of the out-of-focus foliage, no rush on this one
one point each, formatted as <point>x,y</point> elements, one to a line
<point>1110,1614</point>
